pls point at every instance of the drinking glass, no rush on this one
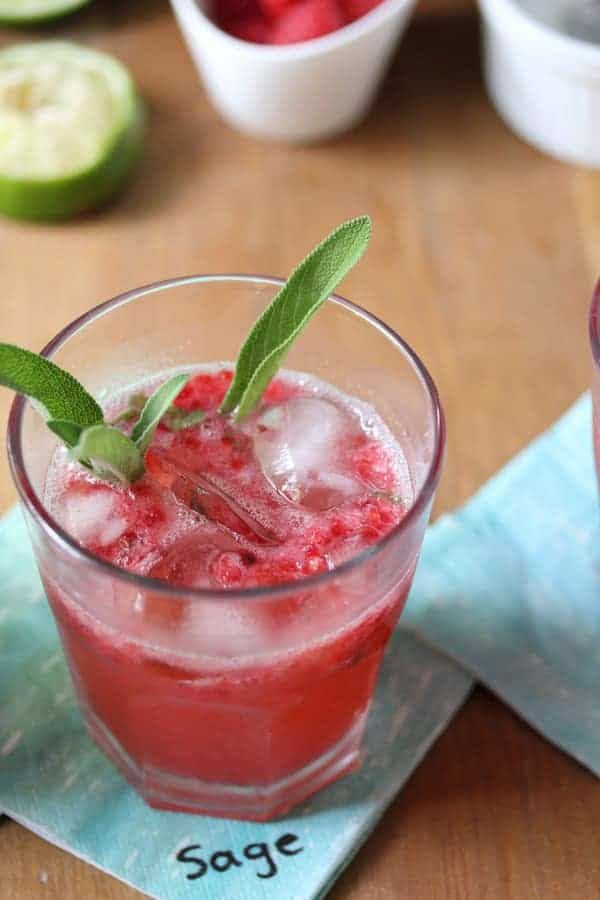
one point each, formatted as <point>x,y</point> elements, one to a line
<point>236,703</point>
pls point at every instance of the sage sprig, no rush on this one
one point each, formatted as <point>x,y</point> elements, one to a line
<point>110,454</point>
<point>77,419</point>
<point>154,409</point>
<point>305,291</point>
<point>175,418</point>
<point>54,392</point>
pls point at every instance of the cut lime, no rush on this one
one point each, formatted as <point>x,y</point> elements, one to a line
<point>35,12</point>
<point>71,129</point>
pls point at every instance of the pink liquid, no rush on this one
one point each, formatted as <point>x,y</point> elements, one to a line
<point>259,697</point>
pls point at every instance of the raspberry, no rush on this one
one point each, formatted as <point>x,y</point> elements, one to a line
<point>268,572</point>
<point>254,30</point>
<point>278,391</point>
<point>229,11</point>
<point>372,464</point>
<point>338,529</point>
<point>228,569</point>
<point>315,537</point>
<point>274,8</point>
<point>355,9</point>
<point>307,20</point>
<point>205,390</point>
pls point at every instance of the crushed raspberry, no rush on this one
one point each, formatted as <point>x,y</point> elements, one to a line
<point>279,391</point>
<point>255,30</point>
<point>205,514</point>
<point>229,569</point>
<point>268,572</point>
<point>307,20</point>
<point>338,529</point>
<point>205,390</point>
<point>273,8</point>
<point>356,9</point>
<point>287,21</point>
<point>372,464</point>
<point>227,11</point>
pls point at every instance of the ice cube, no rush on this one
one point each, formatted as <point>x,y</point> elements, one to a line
<point>228,629</point>
<point>207,557</point>
<point>299,445</point>
<point>92,516</point>
<point>207,496</point>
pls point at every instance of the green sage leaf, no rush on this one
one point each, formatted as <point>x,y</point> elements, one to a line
<point>56,393</point>
<point>68,432</point>
<point>135,405</point>
<point>154,409</point>
<point>110,454</point>
<point>307,288</point>
<point>177,419</point>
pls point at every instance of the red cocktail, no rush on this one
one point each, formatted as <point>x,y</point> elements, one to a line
<point>225,617</point>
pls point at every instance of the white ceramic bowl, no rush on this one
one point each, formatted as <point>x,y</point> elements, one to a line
<point>298,92</point>
<point>544,82</point>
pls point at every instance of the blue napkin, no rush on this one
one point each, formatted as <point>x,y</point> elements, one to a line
<point>54,781</point>
<point>508,586</point>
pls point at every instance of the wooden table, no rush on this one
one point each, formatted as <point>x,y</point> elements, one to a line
<point>484,257</point>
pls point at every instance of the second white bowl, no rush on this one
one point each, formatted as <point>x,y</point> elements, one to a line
<point>298,92</point>
<point>544,82</point>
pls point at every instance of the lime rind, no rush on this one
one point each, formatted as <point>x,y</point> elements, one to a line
<point>37,12</point>
<point>63,194</point>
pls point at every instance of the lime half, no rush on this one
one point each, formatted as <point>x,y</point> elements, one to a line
<point>34,12</point>
<point>71,129</point>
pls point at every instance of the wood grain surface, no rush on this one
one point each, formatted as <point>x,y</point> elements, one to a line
<point>427,8</point>
<point>484,257</point>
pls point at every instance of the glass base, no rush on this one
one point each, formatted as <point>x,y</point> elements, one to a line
<point>257,803</point>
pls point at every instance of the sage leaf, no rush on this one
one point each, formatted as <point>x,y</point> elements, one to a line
<point>135,405</point>
<point>68,432</point>
<point>177,419</point>
<point>56,393</point>
<point>307,288</point>
<point>154,409</point>
<point>110,454</point>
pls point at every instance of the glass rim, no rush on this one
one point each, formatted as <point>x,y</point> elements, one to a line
<point>54,530</point>
<point>594,323</point>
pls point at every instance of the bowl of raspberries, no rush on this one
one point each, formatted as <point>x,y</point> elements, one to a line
<point>292,70</point>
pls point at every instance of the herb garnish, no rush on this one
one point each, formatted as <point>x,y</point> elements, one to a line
<point>77,419</point>
<point>305,291</point>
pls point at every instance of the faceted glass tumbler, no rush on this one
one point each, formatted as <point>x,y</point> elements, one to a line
<point>249,726</point>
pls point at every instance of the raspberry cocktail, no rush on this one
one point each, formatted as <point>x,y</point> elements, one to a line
<point>224,616</point>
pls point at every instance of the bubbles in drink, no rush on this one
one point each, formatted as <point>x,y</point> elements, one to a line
<point>310,480</point>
